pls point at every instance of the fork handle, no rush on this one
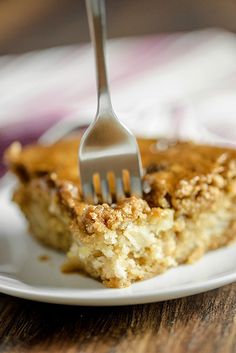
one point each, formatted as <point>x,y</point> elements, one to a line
<point>97,24</point>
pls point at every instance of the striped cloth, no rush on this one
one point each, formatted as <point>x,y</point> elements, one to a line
<point>178,85</point>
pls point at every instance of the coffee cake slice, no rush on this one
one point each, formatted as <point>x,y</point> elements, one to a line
<point>188,208</point>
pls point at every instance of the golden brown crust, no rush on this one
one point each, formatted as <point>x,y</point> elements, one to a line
<point>184,176</point>
<point>188,208</point>
<point>97,220</point>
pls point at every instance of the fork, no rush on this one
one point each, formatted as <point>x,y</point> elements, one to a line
<point>109,160</point>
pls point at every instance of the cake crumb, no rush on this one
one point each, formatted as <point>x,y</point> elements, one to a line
<point>43,258</point>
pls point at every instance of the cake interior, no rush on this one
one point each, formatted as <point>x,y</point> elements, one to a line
<point>183,214</point>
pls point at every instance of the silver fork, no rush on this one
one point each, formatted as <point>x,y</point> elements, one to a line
<point>108,149</point>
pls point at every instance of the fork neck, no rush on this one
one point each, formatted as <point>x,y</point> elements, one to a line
<point>97,25</point>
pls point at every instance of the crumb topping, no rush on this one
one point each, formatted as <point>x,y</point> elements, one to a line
<point>188,208</point>
<point>94,218</point>
<point>185,176</point>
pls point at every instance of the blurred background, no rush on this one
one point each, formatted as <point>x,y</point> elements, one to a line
<point>171,64</point>
<point>28,24</point>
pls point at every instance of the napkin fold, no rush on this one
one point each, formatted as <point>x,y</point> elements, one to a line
<point>160,85</point>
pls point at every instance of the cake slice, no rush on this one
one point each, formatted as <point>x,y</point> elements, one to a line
<point>188,208</point>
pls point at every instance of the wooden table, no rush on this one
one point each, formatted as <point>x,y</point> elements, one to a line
<point>203,323</point>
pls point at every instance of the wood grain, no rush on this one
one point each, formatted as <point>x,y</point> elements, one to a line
<point>203,323</point>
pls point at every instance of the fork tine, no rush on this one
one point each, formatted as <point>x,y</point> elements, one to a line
<point>88,192</point>
<point>136,186</point>
<point>107,144</point>
<point>119,189</point>
<point>106,197</point>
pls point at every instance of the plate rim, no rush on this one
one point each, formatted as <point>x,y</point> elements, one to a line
<point>73,297</point>
<point>114,297</point>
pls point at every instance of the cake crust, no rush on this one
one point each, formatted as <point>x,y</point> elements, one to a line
<point>187,208</point>
<point>180,171</point>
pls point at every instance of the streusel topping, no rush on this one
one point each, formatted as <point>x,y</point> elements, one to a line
<point>183,175</point>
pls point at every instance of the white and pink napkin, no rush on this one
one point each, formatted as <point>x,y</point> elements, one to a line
<point>181,85</point>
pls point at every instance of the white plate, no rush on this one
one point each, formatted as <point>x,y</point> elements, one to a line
<point>24,276</point>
